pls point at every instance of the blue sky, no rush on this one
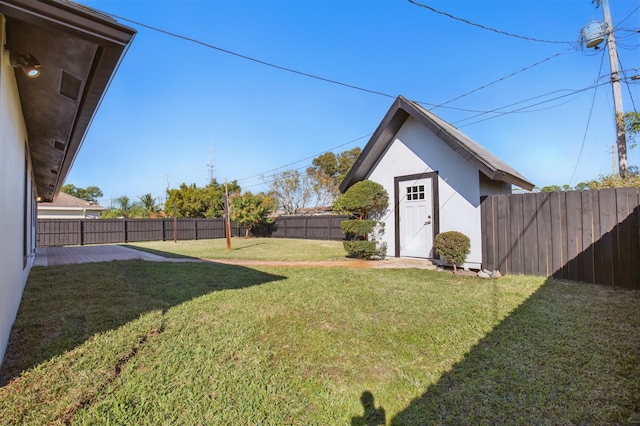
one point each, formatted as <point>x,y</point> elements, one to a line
<point>176,106</point>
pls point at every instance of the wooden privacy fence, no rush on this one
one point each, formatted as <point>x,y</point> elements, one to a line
<point>60,232</point>
<point>590,236</point>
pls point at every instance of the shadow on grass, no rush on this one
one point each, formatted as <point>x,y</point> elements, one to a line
<point>570,354</point>
<point>63,306</point>
<point>248,246</point>
<point>167,254</point>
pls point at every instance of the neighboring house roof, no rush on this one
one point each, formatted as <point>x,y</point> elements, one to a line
<point>65,201</point>
<point>402,108</point>
<point>79,50</point>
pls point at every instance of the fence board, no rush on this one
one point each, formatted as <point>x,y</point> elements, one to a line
<point>574,235</point>
<point>605,245</point>
<point>530,233</point>
<point>543,216</point>
<point>515,234</point>
<point>558,218</point>
<point>627,252</point>
<point>502,209</point>
<point>488,234</point>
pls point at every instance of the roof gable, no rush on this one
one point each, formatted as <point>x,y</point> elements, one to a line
<point>400,111</point>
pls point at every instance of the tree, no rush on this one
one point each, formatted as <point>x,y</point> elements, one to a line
<point>292,190</point>
<point>149,204</point>
<point>252,210</point>
<point>551,188</point>
<point>366,201</point>
<point>327,173</point>
<point>632,127</point>
<point>124,208</point>
<point>192,201</point>
<point>90,193</point>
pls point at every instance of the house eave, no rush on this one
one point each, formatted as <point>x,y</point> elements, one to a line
<point>80,50</point>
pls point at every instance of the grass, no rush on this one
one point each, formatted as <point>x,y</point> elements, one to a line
<point>248,249</point>
<point>197,343</point>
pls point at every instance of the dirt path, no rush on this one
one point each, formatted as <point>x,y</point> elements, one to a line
<point>351,263</point>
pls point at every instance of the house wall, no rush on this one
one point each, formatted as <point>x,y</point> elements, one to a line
<point>70,213</point>
<point>417,150</point>
<point>17,248</point>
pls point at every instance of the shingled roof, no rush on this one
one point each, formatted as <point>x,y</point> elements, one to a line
<point>400,111</point>
<point>67,201</point>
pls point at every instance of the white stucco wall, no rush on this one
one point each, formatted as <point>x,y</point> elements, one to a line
<point>13,137</point>
<point>69,213</point>
<point>417,150</point>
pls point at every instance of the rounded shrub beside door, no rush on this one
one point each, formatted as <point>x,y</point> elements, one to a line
<point>453,246</point>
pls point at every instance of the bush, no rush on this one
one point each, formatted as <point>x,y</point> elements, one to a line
<point>364,200</point>
<point>365,249</point>
<point>358,227</point>
<point>453,246</point>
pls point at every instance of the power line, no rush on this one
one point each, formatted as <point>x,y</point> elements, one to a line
<point>327,80</point>
<point>484,27</point>
<point>502,113</point>
<point>628,16</point>
<point>502,79</point>
<point>586,130</point>
<point>304,159</point>
<point>249,58</point>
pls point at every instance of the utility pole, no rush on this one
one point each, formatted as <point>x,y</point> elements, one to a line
<point>621,139</point>
<point>227,215</point>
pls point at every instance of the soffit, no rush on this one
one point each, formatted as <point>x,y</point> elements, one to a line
<point>79,51</point>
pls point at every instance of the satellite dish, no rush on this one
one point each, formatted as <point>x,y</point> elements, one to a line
<point>593,34</point>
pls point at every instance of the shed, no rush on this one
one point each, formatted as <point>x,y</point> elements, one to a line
<point>436,177</point>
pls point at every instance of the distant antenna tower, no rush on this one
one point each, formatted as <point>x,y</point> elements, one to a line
<point>211,165</point>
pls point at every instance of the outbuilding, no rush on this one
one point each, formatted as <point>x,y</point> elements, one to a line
<point>436,178</point>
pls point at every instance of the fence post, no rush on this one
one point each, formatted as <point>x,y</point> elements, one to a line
<point>195,229</point>
<point>162,229</point>
<point>124,229</point>
<point>80,230</point>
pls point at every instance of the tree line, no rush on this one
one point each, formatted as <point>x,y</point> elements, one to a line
<point>291,192</point>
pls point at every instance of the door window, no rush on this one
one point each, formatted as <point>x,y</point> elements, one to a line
<point>415,192</point>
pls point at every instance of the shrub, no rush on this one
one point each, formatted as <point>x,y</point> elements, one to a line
<point>365,249</point>
<point>453,246</point>
<point>358,227</point>
<point>364,200</point>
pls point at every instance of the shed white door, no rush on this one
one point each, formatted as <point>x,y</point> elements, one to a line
<point>416,218</point>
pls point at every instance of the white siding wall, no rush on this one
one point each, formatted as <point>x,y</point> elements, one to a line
<point>418,150</point>
<point>13,136</point>
<point>69,213</point>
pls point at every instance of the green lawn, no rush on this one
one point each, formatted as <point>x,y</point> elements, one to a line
<point>196,343</point>
<point>248,249</point>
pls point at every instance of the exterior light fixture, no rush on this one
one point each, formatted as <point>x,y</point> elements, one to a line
<point>29,64</point>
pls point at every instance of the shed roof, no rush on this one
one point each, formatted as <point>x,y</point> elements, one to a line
<point>79,50</point>
<point>400,111</point>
